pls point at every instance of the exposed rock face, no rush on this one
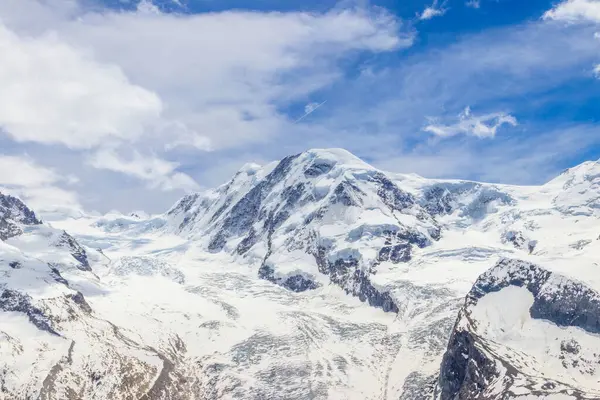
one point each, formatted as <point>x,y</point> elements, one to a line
<point>247,211</point>
<point>295,283</point>
<point>67,241</point>
<point>519,241</point>
<point>268,215</point>
<point>70,352</point>
<point>250,308</point>
<point>11,300</point>
<point>484,362</point>
<point>14,214</point>
<point>472,200</point>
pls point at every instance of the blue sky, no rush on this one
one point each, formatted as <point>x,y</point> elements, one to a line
<point>127,105</point>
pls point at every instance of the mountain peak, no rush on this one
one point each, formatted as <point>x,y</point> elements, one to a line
<point>587,170</point>
<point>249,169</point>
<point>313,218</point>
<point>336,156</point>
<point>13,214</point>
<point>578,189</point>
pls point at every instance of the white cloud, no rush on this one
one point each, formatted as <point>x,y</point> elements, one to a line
<point>147,82</point>
<point>575,10</point>
<point>473,3</point>
<point>146,6</point>
<point>47,200</point>
<point>35,184</point>
<point>509,160</point>
<point>22,171</point>
<point>53,93</point>
<point>432,11</point>
<point>158,173</point>
<point>483,126</point>
<point>226,85</point>
<point>310,107</point>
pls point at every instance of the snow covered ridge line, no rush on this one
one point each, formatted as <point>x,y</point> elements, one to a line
<point>319,217</point>
<point>325,216</point>
<point>517,321</point>
<point>557,298</point>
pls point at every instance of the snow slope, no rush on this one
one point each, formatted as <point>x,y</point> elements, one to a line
<point>315,277</point>
<point>524,331</point>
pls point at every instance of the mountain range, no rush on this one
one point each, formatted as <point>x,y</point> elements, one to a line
<point>314,277</point>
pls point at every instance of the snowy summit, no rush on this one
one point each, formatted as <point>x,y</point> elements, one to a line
<point>299,200</point>
<point>318,275</point>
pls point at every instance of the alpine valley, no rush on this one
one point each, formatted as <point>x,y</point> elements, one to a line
<point>315,277</point>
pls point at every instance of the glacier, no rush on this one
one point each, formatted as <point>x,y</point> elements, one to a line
<point>314,277</point>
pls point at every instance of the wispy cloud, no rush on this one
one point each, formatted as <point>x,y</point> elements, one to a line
<point>309,109</point>
<point>473,3</point>
<point>528,68</point>
<point>481,126</point>
<point>159,174</point>
<point>114,85</point>
<point>434,10</point>
<point>510,160</point>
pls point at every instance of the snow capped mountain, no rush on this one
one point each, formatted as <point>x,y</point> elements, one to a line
<point>316,217</point>
<point>14,213</point>
<point>580,189</point>
<point>52,344</point>
<point>315,277</point>
<point>524,331</point>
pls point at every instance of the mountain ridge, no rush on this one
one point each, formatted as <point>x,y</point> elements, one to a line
<point>318,277</point>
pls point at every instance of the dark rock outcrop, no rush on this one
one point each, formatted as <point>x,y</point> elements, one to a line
<point>354,281</point>
<point>11,300</point>
<point>67,241</point>
<point>13,214</point>
<point>296,283</point>
<point>557,299</point>
<point>316,186</point>
<point>469,366</point>
<point>246,212</point>
<point>317,169</point>
<point>392,195</point>
<point>473,199</point>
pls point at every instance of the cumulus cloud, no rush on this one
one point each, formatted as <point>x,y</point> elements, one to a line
<point>159,174</point>
<point>575,10</point>
<point>146,6</point>
<point>226,86</point>
<point>53,93</point>
<point>110,83</point>
<point>483,126</point>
